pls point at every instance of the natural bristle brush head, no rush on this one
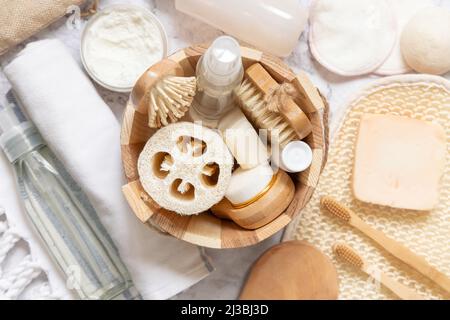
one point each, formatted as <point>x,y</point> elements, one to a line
<point>336,208</point>
<point>252,103</point>
<point>349,255</point>
<point>169,100</point>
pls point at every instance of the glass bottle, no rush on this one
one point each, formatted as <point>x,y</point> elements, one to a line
<point>62,215</point>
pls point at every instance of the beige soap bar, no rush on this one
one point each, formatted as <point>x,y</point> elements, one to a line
<point>242,140</point>
<point>399,162</point>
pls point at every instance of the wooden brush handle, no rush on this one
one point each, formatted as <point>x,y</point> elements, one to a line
<point>403,253</point>
<point>402,291</point>
<point>290,111</point>
<point>298,120</point>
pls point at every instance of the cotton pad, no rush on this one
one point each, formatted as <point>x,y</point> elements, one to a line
<point>425,41</point>
<point>403,11</point>
<point>351,37</point>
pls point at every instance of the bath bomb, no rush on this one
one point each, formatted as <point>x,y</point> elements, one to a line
<point>351,37</point>
<point>425,41</point>
<point>403,11</point>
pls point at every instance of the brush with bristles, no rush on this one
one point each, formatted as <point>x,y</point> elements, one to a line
<point>270,106</point>
<point>169,99</point>
<point>395,248</point>
<point>350,256</point>
<point>252,104</point>
<point>163,93</point>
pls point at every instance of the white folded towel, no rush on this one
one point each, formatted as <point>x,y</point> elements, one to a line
<point>82,131</point>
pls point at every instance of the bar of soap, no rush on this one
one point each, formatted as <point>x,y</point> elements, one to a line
<point>242,140</point>
<point>399,162</point>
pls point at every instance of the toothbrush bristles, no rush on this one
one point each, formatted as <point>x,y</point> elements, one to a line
<point>349,255</point>
<point>337,209</point>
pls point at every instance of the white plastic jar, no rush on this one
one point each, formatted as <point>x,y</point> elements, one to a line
<point>119,43</point>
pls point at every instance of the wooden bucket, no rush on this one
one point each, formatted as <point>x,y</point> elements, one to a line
<point>206,229</point>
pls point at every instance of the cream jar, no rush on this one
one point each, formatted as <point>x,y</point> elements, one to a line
<point>119,43</point>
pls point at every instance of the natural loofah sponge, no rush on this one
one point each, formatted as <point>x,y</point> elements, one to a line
<point>185,168</point>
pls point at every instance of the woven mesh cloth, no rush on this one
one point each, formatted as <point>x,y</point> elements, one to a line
<point>427,233</point>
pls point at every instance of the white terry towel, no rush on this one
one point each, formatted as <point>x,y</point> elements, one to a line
<point>82,131</point>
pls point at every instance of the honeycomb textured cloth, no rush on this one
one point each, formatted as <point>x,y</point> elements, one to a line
<point>20,19</point>
<point>427,233</point>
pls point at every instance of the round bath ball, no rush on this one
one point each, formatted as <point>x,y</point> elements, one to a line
<point>403,11</point>
<point>425,41</point>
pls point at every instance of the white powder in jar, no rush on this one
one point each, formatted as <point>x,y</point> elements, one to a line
<point>120,44</point>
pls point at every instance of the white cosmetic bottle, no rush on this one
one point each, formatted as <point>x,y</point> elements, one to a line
<point>273,26</point>
<point>219,71</point>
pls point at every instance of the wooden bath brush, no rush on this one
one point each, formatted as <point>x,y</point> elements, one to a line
<point>269,106</point>
<point>163,93</point>
<point>293,270</point>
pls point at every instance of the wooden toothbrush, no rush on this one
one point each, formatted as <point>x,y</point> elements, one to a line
<point>395,248</point>
<point>351,256</point>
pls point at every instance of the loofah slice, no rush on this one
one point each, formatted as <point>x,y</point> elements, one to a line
<point>185,168</point>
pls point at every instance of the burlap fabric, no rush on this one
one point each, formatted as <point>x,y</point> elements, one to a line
<point>20,19</point>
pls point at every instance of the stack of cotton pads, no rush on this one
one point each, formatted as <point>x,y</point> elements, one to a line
<point>356,37</point>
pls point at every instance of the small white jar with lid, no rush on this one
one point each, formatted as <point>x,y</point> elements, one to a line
<point>296,156</point>
<point>119,43</point>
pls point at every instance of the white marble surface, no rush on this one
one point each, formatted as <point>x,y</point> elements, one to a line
<point>233,264</point>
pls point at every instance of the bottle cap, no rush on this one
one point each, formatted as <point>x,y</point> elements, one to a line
<point>222,61</point>
<point>17,136</point>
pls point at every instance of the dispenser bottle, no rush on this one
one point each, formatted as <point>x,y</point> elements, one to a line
<point>61,214</point>
<point>219,71</point>
<point>272,26</point>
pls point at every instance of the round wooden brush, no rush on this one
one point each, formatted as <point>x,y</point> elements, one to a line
<point>349,255</point>
<point>163,93</point>
<point>169,99</point>
<point>395,248</point>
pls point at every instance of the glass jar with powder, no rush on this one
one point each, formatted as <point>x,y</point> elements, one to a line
<point>119,43</point>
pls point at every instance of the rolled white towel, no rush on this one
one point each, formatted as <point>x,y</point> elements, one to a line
<point>82,131</point>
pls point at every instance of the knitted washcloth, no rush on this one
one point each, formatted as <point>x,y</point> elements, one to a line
<point>427,233</point>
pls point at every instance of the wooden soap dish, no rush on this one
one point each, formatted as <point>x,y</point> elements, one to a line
<point>206,229</point>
